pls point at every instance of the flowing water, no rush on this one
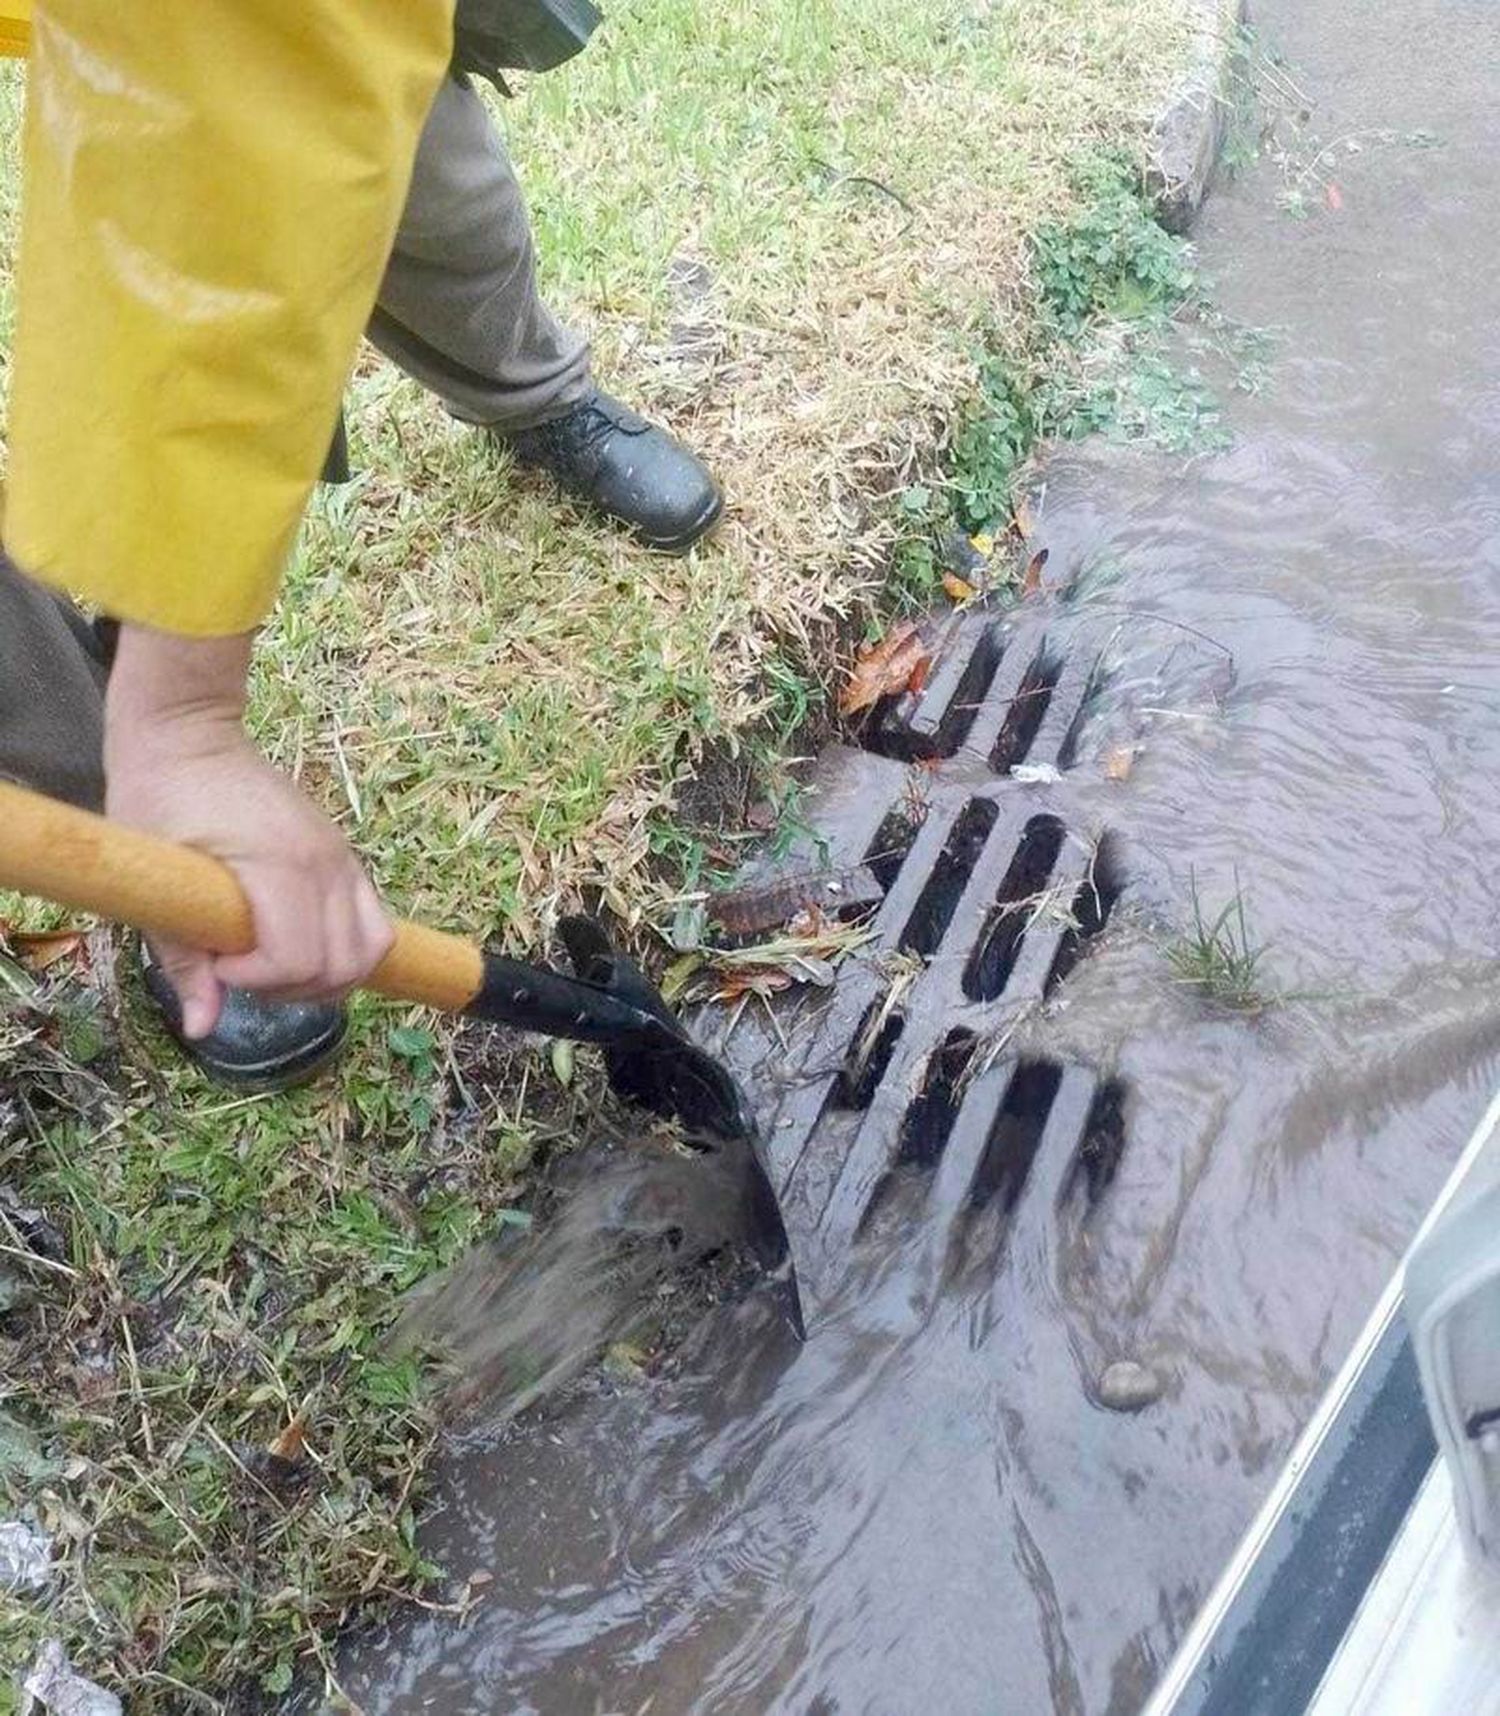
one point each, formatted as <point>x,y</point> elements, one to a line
<point>922,1508</point>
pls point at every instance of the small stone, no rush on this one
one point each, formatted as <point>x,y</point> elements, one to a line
<point>1127,1386</point>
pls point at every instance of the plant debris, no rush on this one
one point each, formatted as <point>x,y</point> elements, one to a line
<point>896,663</point>
<point>1031,578</point>
<point>1119,763</point>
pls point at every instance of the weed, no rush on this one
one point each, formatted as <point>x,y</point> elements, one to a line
<point>1113,259</point>
<point>1218,958</point>
<point>1109,280</point>
<point>991,445</point>
<point>793,697</point>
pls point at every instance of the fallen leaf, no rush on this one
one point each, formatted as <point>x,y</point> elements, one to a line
<point>38,950</point>
<point>983,544</point>
<point>810,924</point>
<point>919,675</point>
<point>762,816</point>
<point>1119,763</point>
<point>291,1442</point>
<point>886,668</point>
<point>753,909</point>
<point>1031,579</point>
<point>21,1452</point>
<point>267,1471</point>
<point>677,976</point>
<point>1335,197</point>
<point>626,1359</point>
<point>562,1061</point>
<point>960,589</point>
<point>735,984</point>
<point>1022,518</point>
<point>688,923</point>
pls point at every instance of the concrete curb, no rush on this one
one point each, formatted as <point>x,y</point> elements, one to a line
<point>1189,133</point>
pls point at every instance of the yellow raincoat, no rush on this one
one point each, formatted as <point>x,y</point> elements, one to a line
<point>15,26</point>
<point>211,191</point>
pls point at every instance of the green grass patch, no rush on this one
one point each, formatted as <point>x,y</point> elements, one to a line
<point>185,1276</point>
<point>1218,958</point>
<point>1119,317</point>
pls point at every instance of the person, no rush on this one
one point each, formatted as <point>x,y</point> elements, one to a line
<point>218,199</point>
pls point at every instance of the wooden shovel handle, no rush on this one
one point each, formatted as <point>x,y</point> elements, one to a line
<point>87,864</point>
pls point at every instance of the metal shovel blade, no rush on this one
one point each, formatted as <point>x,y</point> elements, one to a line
<point>661,1068</point>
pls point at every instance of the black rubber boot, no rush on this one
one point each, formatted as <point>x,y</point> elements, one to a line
<point>257,1045</point>
<point>619,463</point>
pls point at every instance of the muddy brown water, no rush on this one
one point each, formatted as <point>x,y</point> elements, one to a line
<point>922,1508</point>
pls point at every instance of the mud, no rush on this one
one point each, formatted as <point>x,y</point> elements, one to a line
<point>927,1506</point>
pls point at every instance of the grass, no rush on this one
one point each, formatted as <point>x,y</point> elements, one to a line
<point>909,232</point>
<point>1218,958</point>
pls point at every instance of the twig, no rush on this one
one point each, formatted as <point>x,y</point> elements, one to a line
<point>147,1438</point>
<point>351,792</point>
<point>1160,620</point>
<point>27,1255</point>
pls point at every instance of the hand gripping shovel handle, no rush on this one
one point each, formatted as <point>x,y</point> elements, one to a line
<point>83,862</point>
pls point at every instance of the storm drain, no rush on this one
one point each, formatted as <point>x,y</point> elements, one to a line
<point>954,820</point>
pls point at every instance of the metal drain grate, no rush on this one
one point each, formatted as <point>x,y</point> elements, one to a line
<point>987,900</point>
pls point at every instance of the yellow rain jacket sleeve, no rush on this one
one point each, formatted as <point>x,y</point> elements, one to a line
<point>15,26</point>
<point>211,191</point>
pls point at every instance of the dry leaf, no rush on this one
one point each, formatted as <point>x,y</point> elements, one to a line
<point>1335,197</point>
<point>1031,579</point>
<point>1022,518</point>
<point>762,816</point>
<point>885,669</point>
<point>563,1056</point>
<point>919,674</point>
<point>735,984</point>
<point>983,544</point>
<point>810,924</point>
<point>1119,763</point>
<point>960,589</point>
<point>41,949</point>
<point>290,1443</point>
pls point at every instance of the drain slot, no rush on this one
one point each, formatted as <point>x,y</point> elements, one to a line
<point>929,1120</point>
<point>874,1044</point>
<point>1015,1136</point>
<point>893,841</point>
<point>1096,898</point>
<point>965,702</point>
<point>1019,898</point>
<point>1027,709</point>
<point>940,895</point>
<point>1067,754</point>
<point>1103,1143</point>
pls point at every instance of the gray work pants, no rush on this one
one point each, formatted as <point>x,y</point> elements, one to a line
<point>458,310</point>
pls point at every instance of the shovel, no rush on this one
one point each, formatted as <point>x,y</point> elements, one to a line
<point>85,863</point>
